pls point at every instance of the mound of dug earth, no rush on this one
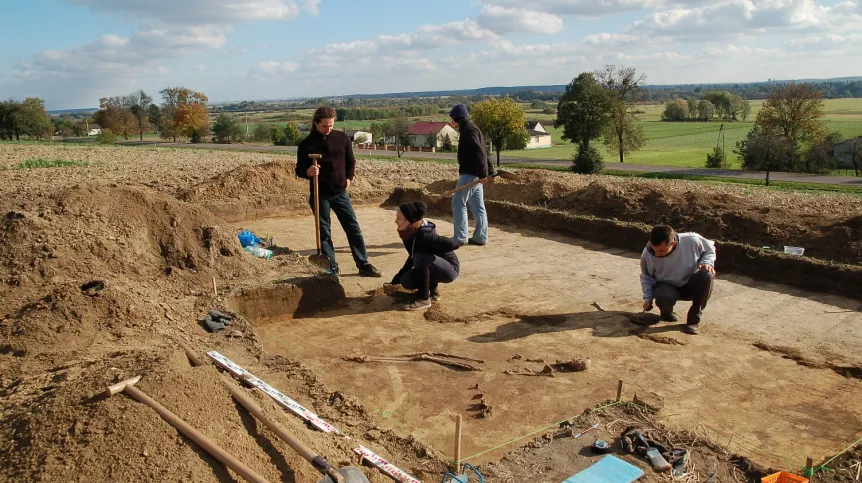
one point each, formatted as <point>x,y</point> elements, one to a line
<point>271,189</point>
<point>96,228</point>
<point>722,216</point>
<point>100,284</point>
<point>826,225</point>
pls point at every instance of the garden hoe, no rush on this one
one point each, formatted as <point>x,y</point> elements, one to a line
<point>317,259</point>
<point>501,173</point>
<point>347,474</point>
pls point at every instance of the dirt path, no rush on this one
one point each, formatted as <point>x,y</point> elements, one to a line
<point>775,410</point>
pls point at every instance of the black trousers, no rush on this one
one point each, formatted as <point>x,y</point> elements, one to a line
<point>340,204</point>
<point>428,271</point>
<point>697,290</point>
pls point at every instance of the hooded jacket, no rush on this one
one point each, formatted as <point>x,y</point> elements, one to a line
<point>473,158</point>
<point>426,241</point>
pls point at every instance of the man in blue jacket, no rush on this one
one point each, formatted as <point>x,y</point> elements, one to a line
<point>473,164</point>
<point>677,267</point>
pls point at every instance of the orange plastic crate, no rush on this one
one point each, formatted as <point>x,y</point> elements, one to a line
<point>783,477</point>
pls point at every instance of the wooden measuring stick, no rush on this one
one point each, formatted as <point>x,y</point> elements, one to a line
<point>457,444</point>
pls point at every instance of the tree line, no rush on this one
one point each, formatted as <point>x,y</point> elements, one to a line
<point>27,118</point>
<point>760,90</point>
<point>791,134</point>
<point>376,113</point>
<point>601,105</point>
<point>182,114</point>
<point>720,104</point>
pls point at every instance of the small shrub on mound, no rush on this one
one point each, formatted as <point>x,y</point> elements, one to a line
<point>588,161</point>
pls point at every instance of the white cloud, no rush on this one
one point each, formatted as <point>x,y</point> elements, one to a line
<point>592,8</point>
<point>168,29</point>
<point>722,51</point>
<point>612,40</point>
<point>505,20</point>
<point>200,68</point>
<point>272,67</point>
<point>196,12</point>
<point>162,69</point>
<point>402,46</point>
<point>827,41</point>
<point>746,17</point>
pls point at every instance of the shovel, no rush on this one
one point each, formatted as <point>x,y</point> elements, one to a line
<point>501,173</point>
<point>318,259</point>
<point>347,474</point>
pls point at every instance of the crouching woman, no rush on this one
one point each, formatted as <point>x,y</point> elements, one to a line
<point>431,258</point>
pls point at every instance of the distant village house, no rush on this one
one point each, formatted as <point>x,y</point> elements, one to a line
<point>360,137</point>
<point>539,137</point>
<point>432,134</point>
<point>95,130</point>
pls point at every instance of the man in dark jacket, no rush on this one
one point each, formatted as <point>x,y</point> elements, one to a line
<point>473,164</point>
<point>431,260</point>
<point>335,172</point>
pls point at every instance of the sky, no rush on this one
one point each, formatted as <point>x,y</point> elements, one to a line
<point>73,52</point>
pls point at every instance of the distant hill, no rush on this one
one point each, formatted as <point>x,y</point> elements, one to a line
<point>758,90</point>
<point>64,112</point>
<point>496,91</point>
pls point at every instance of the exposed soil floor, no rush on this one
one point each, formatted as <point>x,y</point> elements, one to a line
<point>106,267</point>
<point>530,296</point>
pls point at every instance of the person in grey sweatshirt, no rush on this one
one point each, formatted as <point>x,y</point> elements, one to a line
<point>677,267</point>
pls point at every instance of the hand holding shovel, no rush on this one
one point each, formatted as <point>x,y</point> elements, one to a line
<point>317,259</point>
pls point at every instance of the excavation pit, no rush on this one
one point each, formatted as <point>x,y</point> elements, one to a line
<point>527,299</point>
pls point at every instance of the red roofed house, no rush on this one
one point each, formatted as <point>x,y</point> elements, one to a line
<point>432,134</point>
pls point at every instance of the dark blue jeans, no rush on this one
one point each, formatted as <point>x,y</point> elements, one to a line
<point>428,271</point>
<point>340,204</point>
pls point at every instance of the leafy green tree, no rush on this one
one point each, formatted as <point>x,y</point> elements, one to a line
<point>33,119</point>
<point>377,132</point>
<point>399,128</point>
<point>705,110</point>
<point>10,120</point>
<point>139,105</point>
<point>768,152</point>
<point>502,121</point>
<point>226,130</point>
<point>746,109</point>
<point>106,136</point>
<point>262,133</point>
<point>623,134</point>
<point>154,117</point>
<point>583,110</point>
<point>675,111</point>
<point>819,158</point>
<point>287,136</point>
<point>588,160</point>
<point>795,112</point>
<point>715,159</point>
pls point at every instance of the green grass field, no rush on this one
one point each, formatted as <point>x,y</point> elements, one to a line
<point>687,143</point>
<point>683,144</point>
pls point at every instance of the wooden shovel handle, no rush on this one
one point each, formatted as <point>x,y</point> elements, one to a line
<point>321,464</point>
<point>316,206</point>
<point>468,185</point>
<point>199,438</point>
